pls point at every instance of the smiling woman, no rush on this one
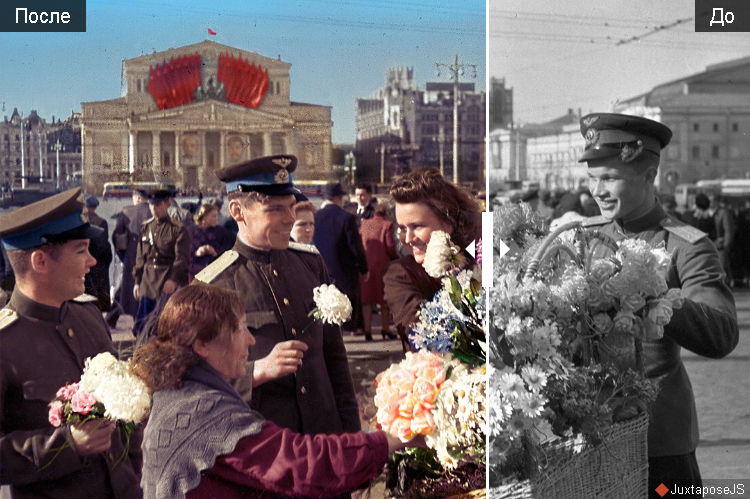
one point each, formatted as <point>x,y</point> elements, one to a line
<point>202,440</point>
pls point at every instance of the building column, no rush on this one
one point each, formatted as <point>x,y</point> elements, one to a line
<point>131,152</point>
<point>222,147</point>
<point>156,150</point>
<point>267,144</point>
<point>178,171</point>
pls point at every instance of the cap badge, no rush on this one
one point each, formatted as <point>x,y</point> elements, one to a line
<point>282,162</point>
<point>85,216</point>
<point>592,137</point>
<point>629,153</point>
<point>281,177</point>
<point>587,122</point>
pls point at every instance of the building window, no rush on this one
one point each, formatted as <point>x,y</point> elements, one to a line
<point>138,86</point>
<point>696,152</point>
<point>735,127</point>
<point>715,152</point>
<point>696,127</point>
<point>716,127</point>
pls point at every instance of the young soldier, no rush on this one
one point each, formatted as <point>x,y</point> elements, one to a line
<point>161,263</point>
<point>276,279</point>
<point>46,335</point>
<point>623,155</point>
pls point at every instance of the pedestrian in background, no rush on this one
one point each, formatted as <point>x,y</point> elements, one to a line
<point>97,280</point>
<point>304,225</point>
<point>725,228</point>
<point>338,240</point>
<point>377,235</point>
<point>208,240</point>
<point>125,237</point>
<point>365,207</point>
<point>161,264</point>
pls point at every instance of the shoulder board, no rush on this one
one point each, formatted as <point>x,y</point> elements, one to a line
<point>683,230</point>
<point>176,222</point>
<point>7,317</point>
<point>147,221</point>
<point>217,267</point>
<point>85,298</point>
<point>594,221</point>
<point>307,248</point>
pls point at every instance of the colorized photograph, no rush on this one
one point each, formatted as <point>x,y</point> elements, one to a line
<point>242,250</point>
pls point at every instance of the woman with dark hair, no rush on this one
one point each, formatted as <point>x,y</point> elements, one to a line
<point>202,440</point>
<point>425,203</point>
<point>207,239</point>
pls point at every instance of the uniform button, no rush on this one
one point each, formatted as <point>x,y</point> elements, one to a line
<point>303,390</point>
<point>70,333</point>
<point>294,332</point>
<point>286,301</point>
<point>275,273</point>
<point>111,457</point>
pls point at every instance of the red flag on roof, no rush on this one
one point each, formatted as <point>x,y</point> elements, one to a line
<point>211,32</point>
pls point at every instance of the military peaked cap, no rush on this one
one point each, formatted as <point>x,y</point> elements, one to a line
<point>609,135</point>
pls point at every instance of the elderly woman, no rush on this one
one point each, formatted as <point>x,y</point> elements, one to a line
<point>425,203</point>
<point>304,226</point>
<point>207,239</point>
<point>202,440</point>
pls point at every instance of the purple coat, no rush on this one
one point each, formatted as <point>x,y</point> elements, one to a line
<point>217,237</point>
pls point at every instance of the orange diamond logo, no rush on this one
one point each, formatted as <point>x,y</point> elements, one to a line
<point>662,490</point>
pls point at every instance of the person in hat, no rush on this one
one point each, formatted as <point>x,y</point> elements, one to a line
<point>97,280</point>
<point>125,237</point>
<point>338,240</point>
<point>48,329</point>
<point>622,153</point>
<point>299,375</point>
<point>163,255</point>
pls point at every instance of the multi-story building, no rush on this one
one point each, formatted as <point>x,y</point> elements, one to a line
<point>708,113</point>
<point>501,105</point>
<point>188,111</point>
<point>28,150</point>
<point>401,127</point>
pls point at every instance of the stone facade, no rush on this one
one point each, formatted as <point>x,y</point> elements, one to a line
<point>401,127</point>
<point>130,138</point>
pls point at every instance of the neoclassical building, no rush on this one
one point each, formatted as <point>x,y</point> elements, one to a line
<point>187,111</point>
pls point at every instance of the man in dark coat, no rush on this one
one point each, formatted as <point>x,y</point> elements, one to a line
<point>97,280</point>
<point>623,155</point>
<point>338,240</point>
<point>163,257</point>
<point>125,238</point>
<point>364,209</point>
<point>47,334</point>
<point>276,279</point>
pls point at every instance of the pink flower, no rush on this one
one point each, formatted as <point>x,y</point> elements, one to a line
<point>55,413</point>
<point>423,423</point>
<point>401,429</point>
<point>425,391</point>
<point>82,403</point>
<point>66,392</point>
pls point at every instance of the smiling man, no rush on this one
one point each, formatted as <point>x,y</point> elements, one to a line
<point>622,153</point>
<point>47,331</point>
<point>300,378</point>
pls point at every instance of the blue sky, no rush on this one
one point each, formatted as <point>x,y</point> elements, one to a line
<point>339,50</point>
<point>559,55</point>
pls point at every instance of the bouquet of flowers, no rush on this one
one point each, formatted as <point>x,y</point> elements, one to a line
<point>565,338</point>
<point>105,391</point>
<point>439,390</point>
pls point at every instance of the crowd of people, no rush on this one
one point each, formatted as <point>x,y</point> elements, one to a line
<point>250,397</point>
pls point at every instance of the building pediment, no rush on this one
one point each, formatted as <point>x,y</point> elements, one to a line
<point>211,114</point>
<point>208,49</point>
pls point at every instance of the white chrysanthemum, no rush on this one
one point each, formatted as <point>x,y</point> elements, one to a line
<point>334,306</point>
<point>95,367</point>
<point>125,397</point>
<point>438,257</point>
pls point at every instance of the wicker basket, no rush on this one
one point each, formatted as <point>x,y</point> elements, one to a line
<point>617,468</point>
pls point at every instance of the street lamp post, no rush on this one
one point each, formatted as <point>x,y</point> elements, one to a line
<point>57,148</point>
<point>456,71</point>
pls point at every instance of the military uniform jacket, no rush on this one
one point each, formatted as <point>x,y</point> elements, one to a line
<point>277,292</point>
<point>163,253</point>
<point>43,348</point>
<point>706,324</point>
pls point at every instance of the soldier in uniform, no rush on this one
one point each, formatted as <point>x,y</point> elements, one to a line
<point>163,256</point>
<point>623,155</point>
<point>47,331</point>
<point>276,280</point>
